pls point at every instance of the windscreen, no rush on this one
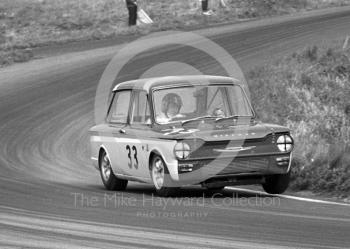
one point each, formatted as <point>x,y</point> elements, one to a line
<point>188,102</point>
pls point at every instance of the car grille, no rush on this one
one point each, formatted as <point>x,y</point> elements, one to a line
<point>230,165</point>
<point>208,148</point>
<point>241,165</point>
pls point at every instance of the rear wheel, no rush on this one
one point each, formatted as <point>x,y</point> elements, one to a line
<point>110,181</point>
<point>158,174</point>
<point>276,184</point>
<point>215,189</point>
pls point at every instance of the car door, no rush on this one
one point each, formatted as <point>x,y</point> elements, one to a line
<point>136,147</point>
<point>117,120</point>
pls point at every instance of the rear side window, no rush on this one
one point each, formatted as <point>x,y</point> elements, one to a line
<point>120,107</point>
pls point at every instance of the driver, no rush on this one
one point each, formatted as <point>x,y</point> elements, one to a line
<point>171,105</point>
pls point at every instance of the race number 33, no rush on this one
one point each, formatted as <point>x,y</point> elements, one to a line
<point>132,155</point>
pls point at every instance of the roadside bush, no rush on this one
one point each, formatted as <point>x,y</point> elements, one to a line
<point>16,55</point>
<point>309,92</point>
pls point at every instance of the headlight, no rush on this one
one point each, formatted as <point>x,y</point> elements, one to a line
<point>182,150</point>
<point>285,143</point>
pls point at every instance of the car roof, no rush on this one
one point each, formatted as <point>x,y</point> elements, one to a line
<point>157,82</point>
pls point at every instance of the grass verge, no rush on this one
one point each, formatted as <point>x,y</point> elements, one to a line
<point>309,91</point>
<point>30,23</point>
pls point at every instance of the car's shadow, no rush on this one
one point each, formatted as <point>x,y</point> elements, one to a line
<point>185,192</point>
<point>197,192</point>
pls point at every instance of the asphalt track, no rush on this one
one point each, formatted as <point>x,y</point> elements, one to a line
<point>51,197</point>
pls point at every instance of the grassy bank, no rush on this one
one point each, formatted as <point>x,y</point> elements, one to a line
<point>30,23</point>
<point>309,91</point>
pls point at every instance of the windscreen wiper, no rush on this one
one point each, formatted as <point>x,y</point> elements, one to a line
<point>196,119</point>
<point>233,117</point>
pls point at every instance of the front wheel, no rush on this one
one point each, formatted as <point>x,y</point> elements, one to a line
<point>158,174</point>
<point>276,184</point>
<point>110,181</point>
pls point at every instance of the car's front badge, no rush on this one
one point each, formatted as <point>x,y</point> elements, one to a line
<point>234,149</point>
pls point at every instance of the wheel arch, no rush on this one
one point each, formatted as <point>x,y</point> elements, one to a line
<point>103,148</point>
<point>151,155</point>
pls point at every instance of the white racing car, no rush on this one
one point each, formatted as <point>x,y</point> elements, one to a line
<point>178,131</point>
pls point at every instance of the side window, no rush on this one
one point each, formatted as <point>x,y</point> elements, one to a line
<point>217,99</point>
<point>140,109</point>
<point>239,102</point>
<point>120,107</point>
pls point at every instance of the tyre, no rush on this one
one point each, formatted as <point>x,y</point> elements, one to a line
<point>276,184</point>
<point>110,181</point>
<point>159,173</point>
<point>215,189</point>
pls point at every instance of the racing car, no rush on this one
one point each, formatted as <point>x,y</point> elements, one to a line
<point>177,131</point>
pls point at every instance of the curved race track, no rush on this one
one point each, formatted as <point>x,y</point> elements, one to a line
<point>51,197</point>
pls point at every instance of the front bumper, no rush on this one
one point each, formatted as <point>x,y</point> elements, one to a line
<point>229,167</point>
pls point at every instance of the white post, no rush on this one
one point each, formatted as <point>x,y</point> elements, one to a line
<point>346,42</point>
<point>223,4</point>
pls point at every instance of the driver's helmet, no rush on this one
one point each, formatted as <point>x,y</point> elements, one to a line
<point>171,98</point>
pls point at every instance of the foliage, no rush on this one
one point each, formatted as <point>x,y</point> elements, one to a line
<point>309,92</point>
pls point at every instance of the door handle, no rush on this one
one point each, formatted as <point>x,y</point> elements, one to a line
<point>122,131</point>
